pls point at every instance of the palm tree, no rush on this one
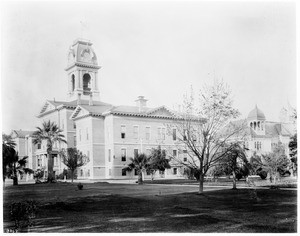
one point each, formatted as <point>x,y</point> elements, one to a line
<point>139,163</point>
<point>73,159</point>
<point>17,167</point>
<point>51,133</point>
<point>8,151</point>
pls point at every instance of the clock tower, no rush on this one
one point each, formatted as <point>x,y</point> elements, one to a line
<point>82,71</point>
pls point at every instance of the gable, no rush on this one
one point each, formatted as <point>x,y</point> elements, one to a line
<point>47,107</point>
<point>79,112</point>
<point>161,111</point>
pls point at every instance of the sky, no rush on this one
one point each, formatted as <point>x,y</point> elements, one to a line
<point>158,49</point>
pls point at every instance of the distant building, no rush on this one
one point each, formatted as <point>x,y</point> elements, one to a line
<point>261,136</point>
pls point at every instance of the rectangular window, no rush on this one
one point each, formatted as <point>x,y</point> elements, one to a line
<point>174,134</point>
<point>184,135</point>
<point>74,125</point>
<point>75,141</point>
<point>135,152</point>
<point>163,133</point>
<point>174,153</point>
<point>39,162</point>
<point>135,132</point>
<point>175,171</point>
<point>123,131</point>
<point>123,153</point>
<point>109,155</point>
<point>39,146</point>
<point>87,134</point>
<point>148,172</point>
<point>88,173</point>
<point>135,172</point>
<point>159,133</point>
<point>124,172</point>
<point>147,133</point>
<point>185,155</point>
<point>55,161</point>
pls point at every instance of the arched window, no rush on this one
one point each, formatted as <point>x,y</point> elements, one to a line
<point>86,84</point>
<point>254,125</point>
<point>251,125</point>
<point>258,125</point>
<point>81,172</point>
<point>262,125</point>
<point>73,82</point>
<point>255,145</point>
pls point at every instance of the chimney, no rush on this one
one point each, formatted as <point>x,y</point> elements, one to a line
<point>91,100</point>
<point>141,103</point>
<point>79,99</point>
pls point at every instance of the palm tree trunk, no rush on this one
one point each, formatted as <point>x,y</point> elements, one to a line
<point>233,180</point>
<point>15,176</point>
<point>140,178</point>
<point>50,167</point>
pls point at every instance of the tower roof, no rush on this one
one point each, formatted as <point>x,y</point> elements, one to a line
<point>81,53</point>
<point>256,114</point>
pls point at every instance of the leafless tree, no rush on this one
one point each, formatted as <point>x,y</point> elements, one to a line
<point>204,129</point>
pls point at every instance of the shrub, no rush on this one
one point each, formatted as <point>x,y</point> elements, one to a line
<point>239,176</point>
<point>192,173</point>
<point>263,174</point>
<point>22,213</point>
<point>80,186</point>
<point>38,175</point>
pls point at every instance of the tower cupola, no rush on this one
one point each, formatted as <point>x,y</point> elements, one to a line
<point>82,71</point>
<point>256,120</point>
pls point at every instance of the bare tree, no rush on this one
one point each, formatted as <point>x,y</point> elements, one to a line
<point>204,129</point>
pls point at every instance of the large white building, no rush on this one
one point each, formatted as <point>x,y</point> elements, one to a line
<point>109,135</point>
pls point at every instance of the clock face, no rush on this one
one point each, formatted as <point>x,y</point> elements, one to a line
<point>87,56</point>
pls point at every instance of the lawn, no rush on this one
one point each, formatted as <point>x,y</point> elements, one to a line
<point>102,207</point>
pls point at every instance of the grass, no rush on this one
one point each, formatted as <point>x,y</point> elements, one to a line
<point>103,207</point>
<point>225,181</point>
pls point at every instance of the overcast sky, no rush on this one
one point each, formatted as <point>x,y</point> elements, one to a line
<point>155,49</point>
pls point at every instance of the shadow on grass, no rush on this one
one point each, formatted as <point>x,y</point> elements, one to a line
<point>242,210</point>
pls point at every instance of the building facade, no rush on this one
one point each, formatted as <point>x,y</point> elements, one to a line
<point>110,135</point>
